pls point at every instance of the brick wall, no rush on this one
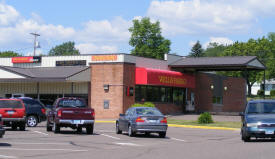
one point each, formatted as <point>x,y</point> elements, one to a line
<point>117,76</point>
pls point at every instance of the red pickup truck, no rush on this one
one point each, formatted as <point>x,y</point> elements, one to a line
<point>71,112</point>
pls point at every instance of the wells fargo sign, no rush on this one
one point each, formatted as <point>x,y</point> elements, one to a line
<point>30,59</point>
<point>104,58</point>
<point>147,76</point>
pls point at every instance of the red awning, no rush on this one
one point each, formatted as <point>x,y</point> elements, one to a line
<point>148,76</point>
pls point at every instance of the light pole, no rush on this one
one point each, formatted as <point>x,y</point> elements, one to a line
<point>34,46</point>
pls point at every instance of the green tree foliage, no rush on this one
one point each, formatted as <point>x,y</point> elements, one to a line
<point>9,54</point>
<point>66,48</point>
<point>196,50</point>
<point>147,40</point>
<point>214,50</point>
<point>205,118</point>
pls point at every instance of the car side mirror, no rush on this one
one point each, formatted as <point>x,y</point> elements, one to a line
<point>121,115</point>
<point>241,113</point>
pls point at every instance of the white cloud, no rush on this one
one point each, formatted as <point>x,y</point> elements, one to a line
<point>209,16</point>
<point>8,14</point>
<point>88,48</point>
<point>218,40</point>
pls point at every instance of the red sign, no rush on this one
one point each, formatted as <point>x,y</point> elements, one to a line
<point>146,76</point>
<point>29,59</point>
<point>104,58</point>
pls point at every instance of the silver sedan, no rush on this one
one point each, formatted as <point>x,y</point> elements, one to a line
<point>142,119</point>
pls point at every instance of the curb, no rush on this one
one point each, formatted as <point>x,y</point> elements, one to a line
<point>183,126</point>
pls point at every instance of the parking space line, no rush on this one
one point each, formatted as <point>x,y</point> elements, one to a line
<point>3,156</point>
<point>177,139</point>
<point>22,149</point>
<point>40,133</point>
<point>128,144</point>
<point>110,136</point>
<point>22,143</point>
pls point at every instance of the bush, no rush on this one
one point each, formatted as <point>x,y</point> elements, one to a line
<point>260,92</point>
<point>272,93</point>
<point>146,104</point>
<point>205,118</point>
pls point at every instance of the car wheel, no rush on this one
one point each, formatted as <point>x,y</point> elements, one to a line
<point>244,137</point>
<point>162,134</point>
<point>32,121</point>
<point>131,133</point>
<point>56,128</point>
<point>147,133</point>
<point>49,128</point>
<point>90,129</point>
<point>22,127</point>
<point>79,129</point>
<point>118,131</point>
<point>14,127</point>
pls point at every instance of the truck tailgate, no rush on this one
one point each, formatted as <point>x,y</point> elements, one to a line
<point>77,113</point>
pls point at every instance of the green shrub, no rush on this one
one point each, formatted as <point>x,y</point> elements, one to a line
<point>272,93</point>
<point>260,92</point>
<point>205,118</point>
<point>146,104</point>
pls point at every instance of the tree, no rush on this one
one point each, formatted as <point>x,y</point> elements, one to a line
<point>147,40</point>
<point>66,48</point>
<point>9,54</point>
<point>214,50</point>
<point>196,50</point>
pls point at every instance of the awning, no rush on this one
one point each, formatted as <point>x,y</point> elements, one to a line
<point>147,76</point>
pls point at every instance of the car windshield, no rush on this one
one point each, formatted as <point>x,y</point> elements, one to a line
<point>261,108</point>
<point>71,103</point>
<point>10,104</point>
<point>147,111</point>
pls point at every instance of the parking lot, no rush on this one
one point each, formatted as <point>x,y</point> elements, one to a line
<point>104,143</point>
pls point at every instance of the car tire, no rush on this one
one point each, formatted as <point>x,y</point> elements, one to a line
<point>90,129</point>
<point>49,128</point>
<point>32,121</point>
<point>22,127</point>
<point>147,133</point>
<point>162,134</point>
<point>118,131</point>
<point>131,133</point>
<point>14,127</point>
<point>56,128</point>
<point>79,130</point>
<point>244,137</point>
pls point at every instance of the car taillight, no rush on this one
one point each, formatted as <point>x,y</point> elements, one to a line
<point>93,114</point>
<point>139,120</point>
<point>164,120</point>
<point>59,113</point>
<point>43,110</point>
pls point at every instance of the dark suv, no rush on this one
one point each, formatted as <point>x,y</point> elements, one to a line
<point>258,120</point>
<point>35,111</point>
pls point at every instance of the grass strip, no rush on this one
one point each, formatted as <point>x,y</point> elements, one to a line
<point>227,124</point>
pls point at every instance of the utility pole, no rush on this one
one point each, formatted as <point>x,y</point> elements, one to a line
<point>34,46</point>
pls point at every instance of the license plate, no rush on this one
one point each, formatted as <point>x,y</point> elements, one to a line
<point>153,121</point>
<point>10,112</point>
<point>269,132</point>
<point>77,122</point>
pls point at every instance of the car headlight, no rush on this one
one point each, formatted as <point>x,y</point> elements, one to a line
<point>252,124</point>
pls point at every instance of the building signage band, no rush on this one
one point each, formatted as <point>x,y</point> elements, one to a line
<point>71,63</point>
<point>29,59</point>
<point>104,58</point>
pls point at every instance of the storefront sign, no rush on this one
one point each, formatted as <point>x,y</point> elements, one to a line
<point>71,63</point>
<point>146,76</point>
<point>104,58</point>
<point>30,59</point>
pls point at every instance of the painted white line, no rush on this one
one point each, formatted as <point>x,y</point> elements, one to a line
<point>3,156</point>
<point>40,133</point>
<point>110,136</point>
<point>106,131</point>
<point>177,139</point>
<point>22,149</point>
<point>128,144</point>
<point>22,143</point>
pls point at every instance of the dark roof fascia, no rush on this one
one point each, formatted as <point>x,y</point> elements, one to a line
<point>18,73</point>
<point>78,72</point>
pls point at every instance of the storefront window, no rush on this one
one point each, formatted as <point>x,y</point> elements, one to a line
<point>217,100</point>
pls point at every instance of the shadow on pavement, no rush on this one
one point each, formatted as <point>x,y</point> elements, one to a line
<point>5,144</point>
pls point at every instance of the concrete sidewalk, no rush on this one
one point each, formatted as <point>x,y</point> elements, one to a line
<point>215,117</point>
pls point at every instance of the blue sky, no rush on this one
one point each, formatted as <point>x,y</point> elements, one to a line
<point>102,26</point>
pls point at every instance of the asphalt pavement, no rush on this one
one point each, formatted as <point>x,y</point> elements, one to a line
<point>189,143</point>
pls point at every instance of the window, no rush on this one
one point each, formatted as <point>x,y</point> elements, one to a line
<point>217,100</point>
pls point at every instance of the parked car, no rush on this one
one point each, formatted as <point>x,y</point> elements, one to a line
<point>142,119</point>
<point>13,113</point>
<point>2,129</point>
<point>71,112</point>
<point>35,111</point>
<point>258,120</point>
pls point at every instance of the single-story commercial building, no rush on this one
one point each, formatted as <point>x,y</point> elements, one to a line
<point>113,82</point>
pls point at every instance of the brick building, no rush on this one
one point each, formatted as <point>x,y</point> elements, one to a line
<point>113,82</point>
